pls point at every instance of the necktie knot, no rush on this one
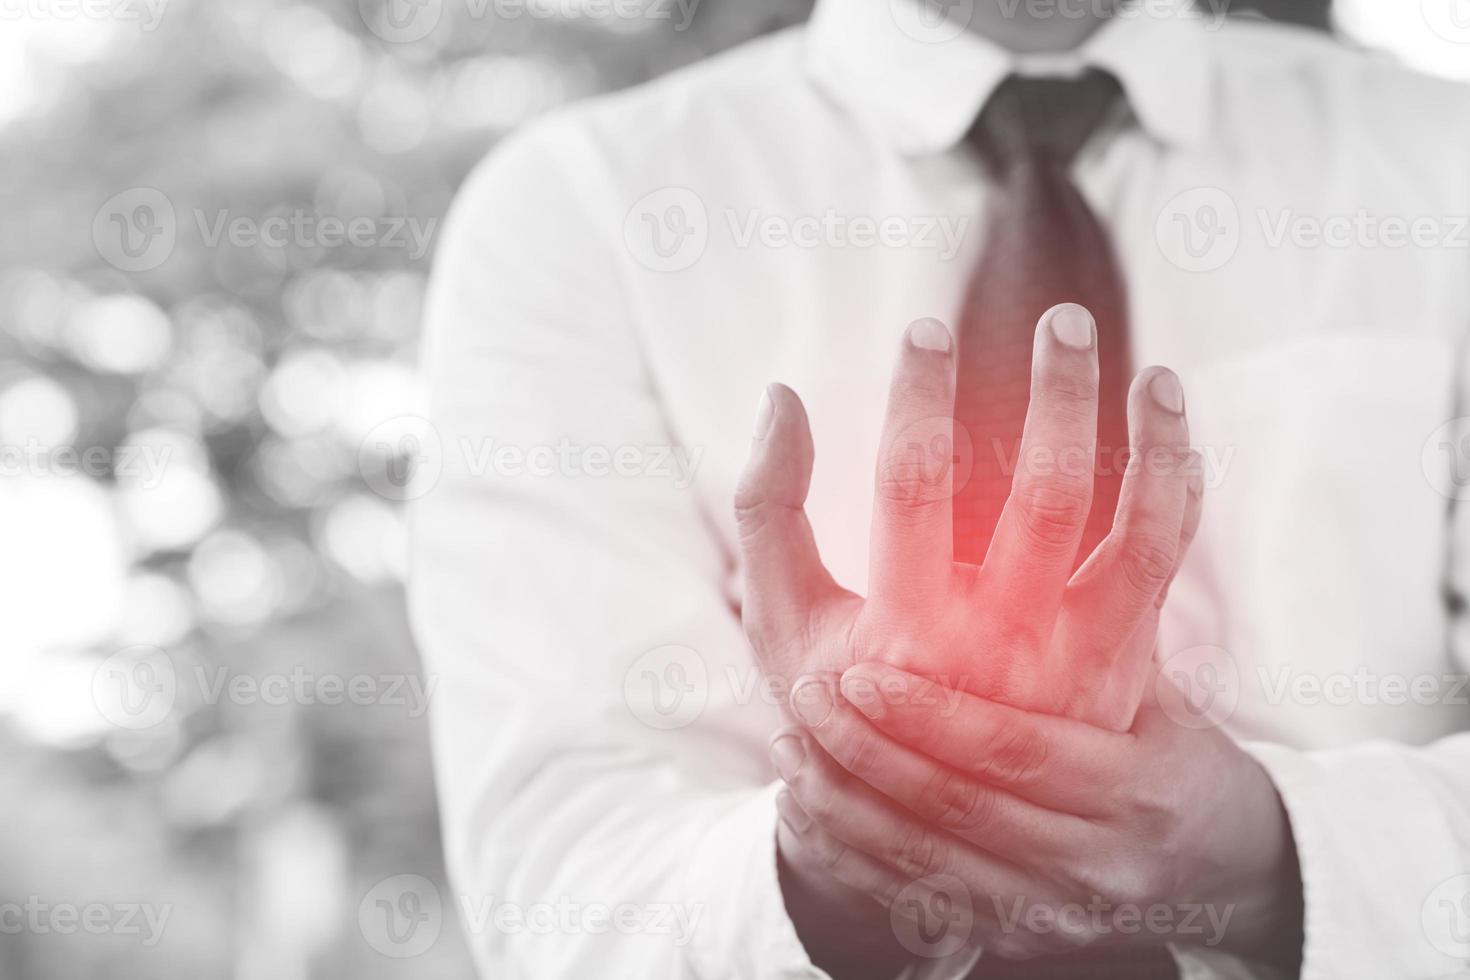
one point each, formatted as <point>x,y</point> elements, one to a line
<point>1043,121</point>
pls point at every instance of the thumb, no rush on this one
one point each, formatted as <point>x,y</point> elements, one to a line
<point>784,575</point>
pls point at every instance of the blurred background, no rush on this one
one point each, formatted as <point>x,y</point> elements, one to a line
<point>218,221</point>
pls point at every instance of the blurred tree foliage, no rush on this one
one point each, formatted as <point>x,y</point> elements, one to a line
<point>261,825</point>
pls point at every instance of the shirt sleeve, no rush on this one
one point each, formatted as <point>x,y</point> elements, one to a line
<point>1382,828</point>
<point>599,726</point>
<point>1383,839</point>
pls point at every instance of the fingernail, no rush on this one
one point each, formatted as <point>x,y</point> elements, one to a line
<point>764,413</point>
<point>929,334</point>
<point>1072,326</point>
<point>788,754</point>
<point>863,694</point>
<point>1165,388</point>
<point>812,701</point>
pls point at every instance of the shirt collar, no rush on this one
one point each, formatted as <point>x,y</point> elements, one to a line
<point>921,81</point>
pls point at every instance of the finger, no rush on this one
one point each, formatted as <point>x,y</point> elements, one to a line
<point>916,906</point>
<point>803,840</point>
<point>1121,678</point>
<point>1055,762</point>
<point>784,575</point>
<point>912,549</point>
<point>1040,528</point>
<point>1122,581</point>
<point>1194,505</point>
<point>855,815</point>
<point>961,803</point>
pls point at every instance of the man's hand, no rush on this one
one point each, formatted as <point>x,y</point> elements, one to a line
<point>1051,830</point>
<point>1015,629</point>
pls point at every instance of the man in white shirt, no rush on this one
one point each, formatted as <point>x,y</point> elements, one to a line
<point>621,281</point>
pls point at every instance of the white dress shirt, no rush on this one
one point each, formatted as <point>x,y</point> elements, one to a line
<point>620,280</point>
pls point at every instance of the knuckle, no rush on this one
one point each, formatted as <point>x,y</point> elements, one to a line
<point>1147,561</point>
<point>816,796</point>
<point>1068,394</point>
<point>917,852</point>
<point>955,802</point>
<point>770,632</point>
<point>827,850</point>
<point>1123,881</point>
<point>1054,509</point>
<point>887,893</point>
<point>1012,755</point>
<point>754,511</point>
<point>922,388</point>
<point>862,753</point>
<point>760,633</point>
<point>907,476</point>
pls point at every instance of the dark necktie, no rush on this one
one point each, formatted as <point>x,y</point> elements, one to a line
<point>1044,247</point>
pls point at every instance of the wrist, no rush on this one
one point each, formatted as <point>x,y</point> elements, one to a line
<point>1268,904</point>
<point>844,932</point>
